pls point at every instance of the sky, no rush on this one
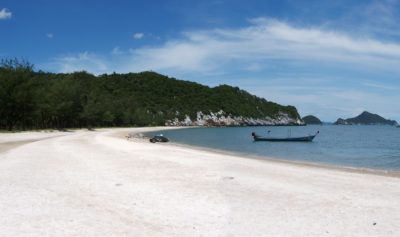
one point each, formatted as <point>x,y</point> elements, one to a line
<point>328,58</point>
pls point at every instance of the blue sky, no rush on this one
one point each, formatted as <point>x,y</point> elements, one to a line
<point>328,58</point>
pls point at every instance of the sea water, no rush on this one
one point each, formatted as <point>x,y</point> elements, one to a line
<point>376,147</point>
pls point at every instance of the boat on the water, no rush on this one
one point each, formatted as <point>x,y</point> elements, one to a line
<point>307,138</point>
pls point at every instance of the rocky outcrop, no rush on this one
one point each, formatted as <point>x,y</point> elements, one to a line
<point>220,118</point>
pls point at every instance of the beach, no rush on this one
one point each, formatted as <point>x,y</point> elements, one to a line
<point>99,183</point>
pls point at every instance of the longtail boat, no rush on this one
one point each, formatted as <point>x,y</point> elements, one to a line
<point>307,138</point>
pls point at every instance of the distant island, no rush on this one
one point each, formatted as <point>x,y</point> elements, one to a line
<point>366,118</point>
<point>311,119</point>
<point>39,100</point>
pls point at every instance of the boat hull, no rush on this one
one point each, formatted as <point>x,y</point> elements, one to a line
<point>291,139</point>
<point>286,139</point>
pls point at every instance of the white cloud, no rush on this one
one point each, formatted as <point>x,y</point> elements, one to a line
<point>5,14</point>
<point>138,36</point>
<point>82,62</point>
<point>50,35</point>
<point>264,40</point>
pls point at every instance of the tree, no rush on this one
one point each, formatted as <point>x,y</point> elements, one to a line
<point>30,99</point>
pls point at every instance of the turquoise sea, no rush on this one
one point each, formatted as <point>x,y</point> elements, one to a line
<point>376,147</point>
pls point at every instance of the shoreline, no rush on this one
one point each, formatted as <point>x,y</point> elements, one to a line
<point>46,134</point>
<point>360,170</point>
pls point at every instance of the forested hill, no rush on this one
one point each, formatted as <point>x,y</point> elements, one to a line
<point>35,99</point>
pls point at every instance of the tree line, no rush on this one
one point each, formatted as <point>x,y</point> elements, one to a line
<point>32,99</point>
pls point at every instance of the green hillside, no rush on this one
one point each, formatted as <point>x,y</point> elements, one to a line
<point>34,99</point>
<point>311,119</point>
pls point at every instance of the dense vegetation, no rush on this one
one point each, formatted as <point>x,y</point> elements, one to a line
<point>311,119</point>
<point>36,100</point>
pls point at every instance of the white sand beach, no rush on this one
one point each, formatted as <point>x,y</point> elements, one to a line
<point>98,183</point>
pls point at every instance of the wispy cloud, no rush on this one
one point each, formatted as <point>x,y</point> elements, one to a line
<point>116,51</point>
<point>138,36</point>
<point>382,16</point>
<point>50,35</point>
<point>5,14</point>
<point>264,39</point>
<point>382,86</point>
<point>82,62</point>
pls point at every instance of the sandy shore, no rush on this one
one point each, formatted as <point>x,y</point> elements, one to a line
<point>9,141</point>
<point>100,184</point>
